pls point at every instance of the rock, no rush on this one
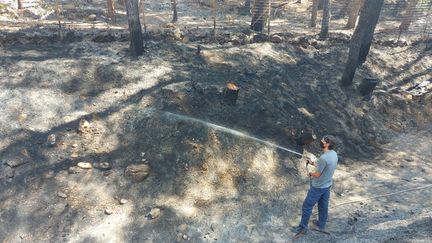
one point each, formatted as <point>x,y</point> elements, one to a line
<point>74,145</point>
<point>276,39</point>
<point>108,211</point>
<point>84,125</point>
<point>92,17</point>
<point>102,165</point>
<point>61,194</point>
<point>182,228</point>
<point>15,160</point>
<point>123,201</point>
<point>9,172</point>
<point>137,172</point>
<point>74,170</point>
<point>179,237</point>
<point>51,140</point>
<point>154,213</point>
<point>84,165</point>
<point>185,237</point>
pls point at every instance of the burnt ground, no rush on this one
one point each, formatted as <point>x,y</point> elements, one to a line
<point>210,185</point>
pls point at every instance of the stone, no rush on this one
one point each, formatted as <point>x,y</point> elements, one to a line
<point>74,170</point>
<point>137,172</point>
<point>9,172</point>
<point>123,201</point>
<point>15,160</point>
<point>185,237</point>
<point>108,211</point>
<point>61,194</point>
<point>83,126</point>
<point>84,165</point>
<point>154,213</point>
<point>51,140</point>
<point>182,228</point>
<point>74,145</point>
<point>102,165</point>
<point>92,17</point>
<point>276,39</point>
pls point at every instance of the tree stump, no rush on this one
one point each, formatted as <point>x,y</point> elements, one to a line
<point>231,93</point>
<point>367,86</point>
<point>305,138</point>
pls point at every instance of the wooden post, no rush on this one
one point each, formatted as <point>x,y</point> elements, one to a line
<point>367,86</point>
<point>231,93</point>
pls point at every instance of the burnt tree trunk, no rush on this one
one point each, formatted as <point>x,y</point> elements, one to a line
<point>247,7</point>
<point>20,4</point>
<point>408,16</point>
<point>142,11</point>
<point>111,10</point>
<point>260,15</point>
<point>174,8</point>
<point>354,9</point>
<point>368,36</point>
<point>364,31</point>
<point>136,47</point>
<point>325,20</point>
<point>314,13</point>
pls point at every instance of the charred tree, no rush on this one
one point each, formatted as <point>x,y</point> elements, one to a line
<point>136,47</point>
<point>360,42</point>
<point>354,9</point>
<point>142,11</point>
<point>246,8</point>
<point>260,14</point>
<point>408,16</point>
<point>20,4</point>
<point>314,13</point>
<point>174,8</point>
<point>111,10</point>
<point>326,19</point>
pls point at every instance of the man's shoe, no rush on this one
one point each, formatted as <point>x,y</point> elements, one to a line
<point>298,230</point>
<point>315,223</point>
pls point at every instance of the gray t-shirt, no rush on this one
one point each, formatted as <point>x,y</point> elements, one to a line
<point>326,166</point>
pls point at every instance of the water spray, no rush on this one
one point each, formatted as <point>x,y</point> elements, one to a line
<point>230,131</point>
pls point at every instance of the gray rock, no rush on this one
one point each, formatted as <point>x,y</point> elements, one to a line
<point>51,140</point>
<point>123,201</point>
<point>154,213</point>
<point>276,39</point>
<point>102,165</point>
<point>74,170</point>
<point>108,211</point>
<point>61,194</point>
<point>137,172</point>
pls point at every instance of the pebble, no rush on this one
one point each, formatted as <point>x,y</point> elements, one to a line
<point>84,165</point>
<point>108,211</point>
<point>61,194</point>
<point>137,172</point>
<point>74,145</point>
<point>102,165</point>
<point>51,140</point>
<point>123,201</point>
<point>154,213</point>
<point>74,170</point>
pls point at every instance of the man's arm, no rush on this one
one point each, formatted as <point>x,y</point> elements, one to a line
<point>314,174</point>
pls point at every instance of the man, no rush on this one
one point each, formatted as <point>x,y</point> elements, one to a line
<point>319,191</point>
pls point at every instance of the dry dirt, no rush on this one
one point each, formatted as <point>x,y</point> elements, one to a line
<point>209,184</point>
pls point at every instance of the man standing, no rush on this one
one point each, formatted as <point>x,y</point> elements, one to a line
<point>319,191</point>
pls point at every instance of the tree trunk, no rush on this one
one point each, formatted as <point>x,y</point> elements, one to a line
<point>111,10</point>
<point>314,13</point>
<point>247,7</point>
<point>363,32</point>
<point>408,16</point>
<point>214,3</point>
<point>326,19</point>
<point>136,47</point>
<point>174,7</point>
<point>354,9</point>
<point>58,12</point>
<point>368,36</point>
<point>20,4</point>
<point>260,15</point>
<point>142,10</point>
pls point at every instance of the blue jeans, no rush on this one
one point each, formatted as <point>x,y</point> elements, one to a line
<point>320,195</point>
